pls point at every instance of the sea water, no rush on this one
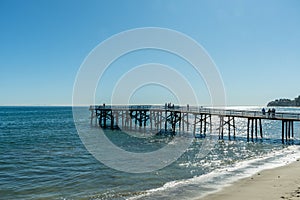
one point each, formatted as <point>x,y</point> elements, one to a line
<point>42,157</point>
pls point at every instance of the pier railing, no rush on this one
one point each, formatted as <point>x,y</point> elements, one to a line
<point>202,110</point>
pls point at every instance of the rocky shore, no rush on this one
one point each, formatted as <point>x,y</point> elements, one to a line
<point>285,102</point>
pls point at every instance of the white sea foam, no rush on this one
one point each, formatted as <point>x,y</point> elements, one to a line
<point>214,181</point>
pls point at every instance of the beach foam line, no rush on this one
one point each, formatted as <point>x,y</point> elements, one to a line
<point>254,166</point>
<point>213,182</point>
<point>274,183</point>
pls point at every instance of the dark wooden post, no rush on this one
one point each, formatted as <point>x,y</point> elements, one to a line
<point>205,124</point>
<point>222,127</point>
<point>229,128</point>
<point>210,124</point>
<point>233,122</point>
<point>282,131</point>
<point>252,128</point>
<point>201,118</point>
<point>160,120</point>
<point>111,120</point>
<point>248,126</point>
<point>286,129</point>
<point>260,129</point>
<point>194,132</point>
<point>255,128</point>
<point>179,125</point>
<point>100,119</point>
<point>130,122</point>
<point>104,118</point>
<point>96,117</point>
<point>187,122</point>
<point>122,115</point>
<point>182,126</point>
<point>293,129</point>
<point>289,130</point>
<point>173,120</point>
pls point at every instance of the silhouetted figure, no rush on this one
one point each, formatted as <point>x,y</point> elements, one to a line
<point>263,111</point>
<point>269,112</point>
<point>273,112</point>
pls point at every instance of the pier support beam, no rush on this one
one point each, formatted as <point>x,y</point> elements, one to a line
<point>260,129</point>
<point>248,125</point>
<point>252,129</point>
<point>252,126</point>
<point>287,131</point>
<point>201,123</point>
<point>231,124</point>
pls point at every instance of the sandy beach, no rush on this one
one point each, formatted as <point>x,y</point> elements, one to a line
<point>277,183</point>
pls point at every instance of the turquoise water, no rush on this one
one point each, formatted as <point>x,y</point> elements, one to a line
<point>42,157</point>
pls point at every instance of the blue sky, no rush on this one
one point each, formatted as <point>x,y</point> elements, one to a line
<point>255,44</point>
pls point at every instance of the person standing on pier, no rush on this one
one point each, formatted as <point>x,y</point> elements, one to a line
<point>273,112</point>
<point>263,111</point>
<point>269,112</point>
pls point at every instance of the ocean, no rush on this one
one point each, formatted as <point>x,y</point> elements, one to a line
<point>43,157</point>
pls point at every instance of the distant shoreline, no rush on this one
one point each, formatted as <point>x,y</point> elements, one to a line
<point>285,102</point>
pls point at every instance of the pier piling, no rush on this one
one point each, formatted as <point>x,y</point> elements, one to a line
<point>194,119</point>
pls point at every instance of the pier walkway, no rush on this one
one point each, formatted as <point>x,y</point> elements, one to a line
<point>198,120</point>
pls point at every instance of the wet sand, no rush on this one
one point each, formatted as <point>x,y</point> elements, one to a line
<point>279,183</point>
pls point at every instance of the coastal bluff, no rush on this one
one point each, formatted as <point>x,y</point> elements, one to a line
<point>285,102</point>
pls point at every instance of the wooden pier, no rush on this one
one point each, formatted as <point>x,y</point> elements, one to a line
<point>197,120</point>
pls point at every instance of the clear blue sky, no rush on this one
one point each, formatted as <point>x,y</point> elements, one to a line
<point>255,44</point>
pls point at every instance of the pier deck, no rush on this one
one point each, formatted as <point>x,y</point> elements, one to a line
<point>190,119</point>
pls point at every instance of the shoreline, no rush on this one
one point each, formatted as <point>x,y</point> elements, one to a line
<point>270,184</point>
